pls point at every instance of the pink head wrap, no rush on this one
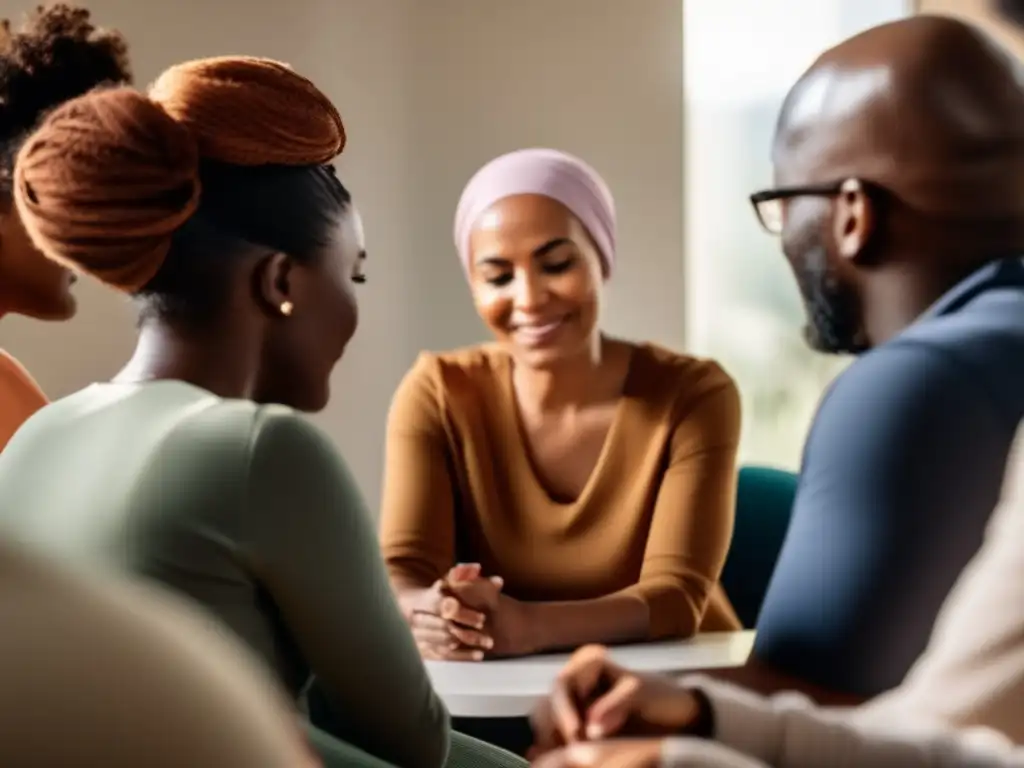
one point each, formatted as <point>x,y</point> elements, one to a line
<point>547,172</point>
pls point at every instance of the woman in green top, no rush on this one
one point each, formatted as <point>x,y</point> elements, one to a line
<point>210,200</point>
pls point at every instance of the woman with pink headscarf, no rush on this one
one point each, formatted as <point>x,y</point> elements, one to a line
<point>557,486</point>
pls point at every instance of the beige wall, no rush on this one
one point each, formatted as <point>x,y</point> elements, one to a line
<point>429,90</point>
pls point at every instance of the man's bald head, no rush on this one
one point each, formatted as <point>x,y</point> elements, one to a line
<point>929,108</point>
<point>899,170</point>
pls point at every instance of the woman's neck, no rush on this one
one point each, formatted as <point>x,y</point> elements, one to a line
<point>574,383</point>
<point>215,361</point>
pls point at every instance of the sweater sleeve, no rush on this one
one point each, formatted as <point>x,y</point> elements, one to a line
<point>315,551</point>
<point>417,525</point>
<point>788,731</point>
<point>694,511</point>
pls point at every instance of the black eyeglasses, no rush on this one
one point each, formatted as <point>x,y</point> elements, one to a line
<point>768,203</point>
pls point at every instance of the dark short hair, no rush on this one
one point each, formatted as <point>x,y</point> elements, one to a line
<point>57,55</point>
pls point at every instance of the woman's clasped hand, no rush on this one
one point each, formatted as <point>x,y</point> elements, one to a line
<point>465,616</point>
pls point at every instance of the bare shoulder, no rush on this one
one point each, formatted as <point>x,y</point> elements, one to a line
<point>11,369</point>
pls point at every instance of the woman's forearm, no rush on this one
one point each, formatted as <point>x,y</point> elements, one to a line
<point>614,618</point>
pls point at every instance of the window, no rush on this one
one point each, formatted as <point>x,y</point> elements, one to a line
<point>743,308</point>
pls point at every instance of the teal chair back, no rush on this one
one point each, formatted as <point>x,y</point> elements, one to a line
<point>764,502</point>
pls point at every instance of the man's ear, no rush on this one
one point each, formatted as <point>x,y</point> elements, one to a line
<point>854,220</point>
<point>273,283</point>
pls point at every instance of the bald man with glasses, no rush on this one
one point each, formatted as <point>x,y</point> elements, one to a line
<point>899,205</point>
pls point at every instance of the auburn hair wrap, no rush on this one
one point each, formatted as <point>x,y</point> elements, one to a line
<point>106,180</point>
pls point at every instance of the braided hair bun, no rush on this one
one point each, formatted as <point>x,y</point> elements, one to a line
<point>106,180</point>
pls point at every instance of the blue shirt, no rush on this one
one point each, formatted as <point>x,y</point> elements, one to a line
<point>901,471</point>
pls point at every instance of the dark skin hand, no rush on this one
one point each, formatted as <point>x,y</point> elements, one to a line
<point>507,626</point>
<point>594,698</point>
<point>599,714</point>
<point>465,616</point>
<point>517,628</point>
<point>443,623</point>
<point>465,599</point>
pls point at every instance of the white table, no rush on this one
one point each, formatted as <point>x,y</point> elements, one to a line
<point>510,687</point>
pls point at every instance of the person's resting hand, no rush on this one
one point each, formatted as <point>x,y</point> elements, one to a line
<point>508,624</point>
<point>444,626</point>
<point>617,753</point>
<point>594,698</point>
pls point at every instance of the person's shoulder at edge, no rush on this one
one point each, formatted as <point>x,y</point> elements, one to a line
<point>882,400</point>
<point>21,397</point>
<point>9,365</point>
<point>272,423</point>
<point>228,431</point>
<point>13,372</point>
<point>287,465</point>
<point>914,362</point>
<point>236,435</point>
<point>238,432</point>
<point>942,340</point>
